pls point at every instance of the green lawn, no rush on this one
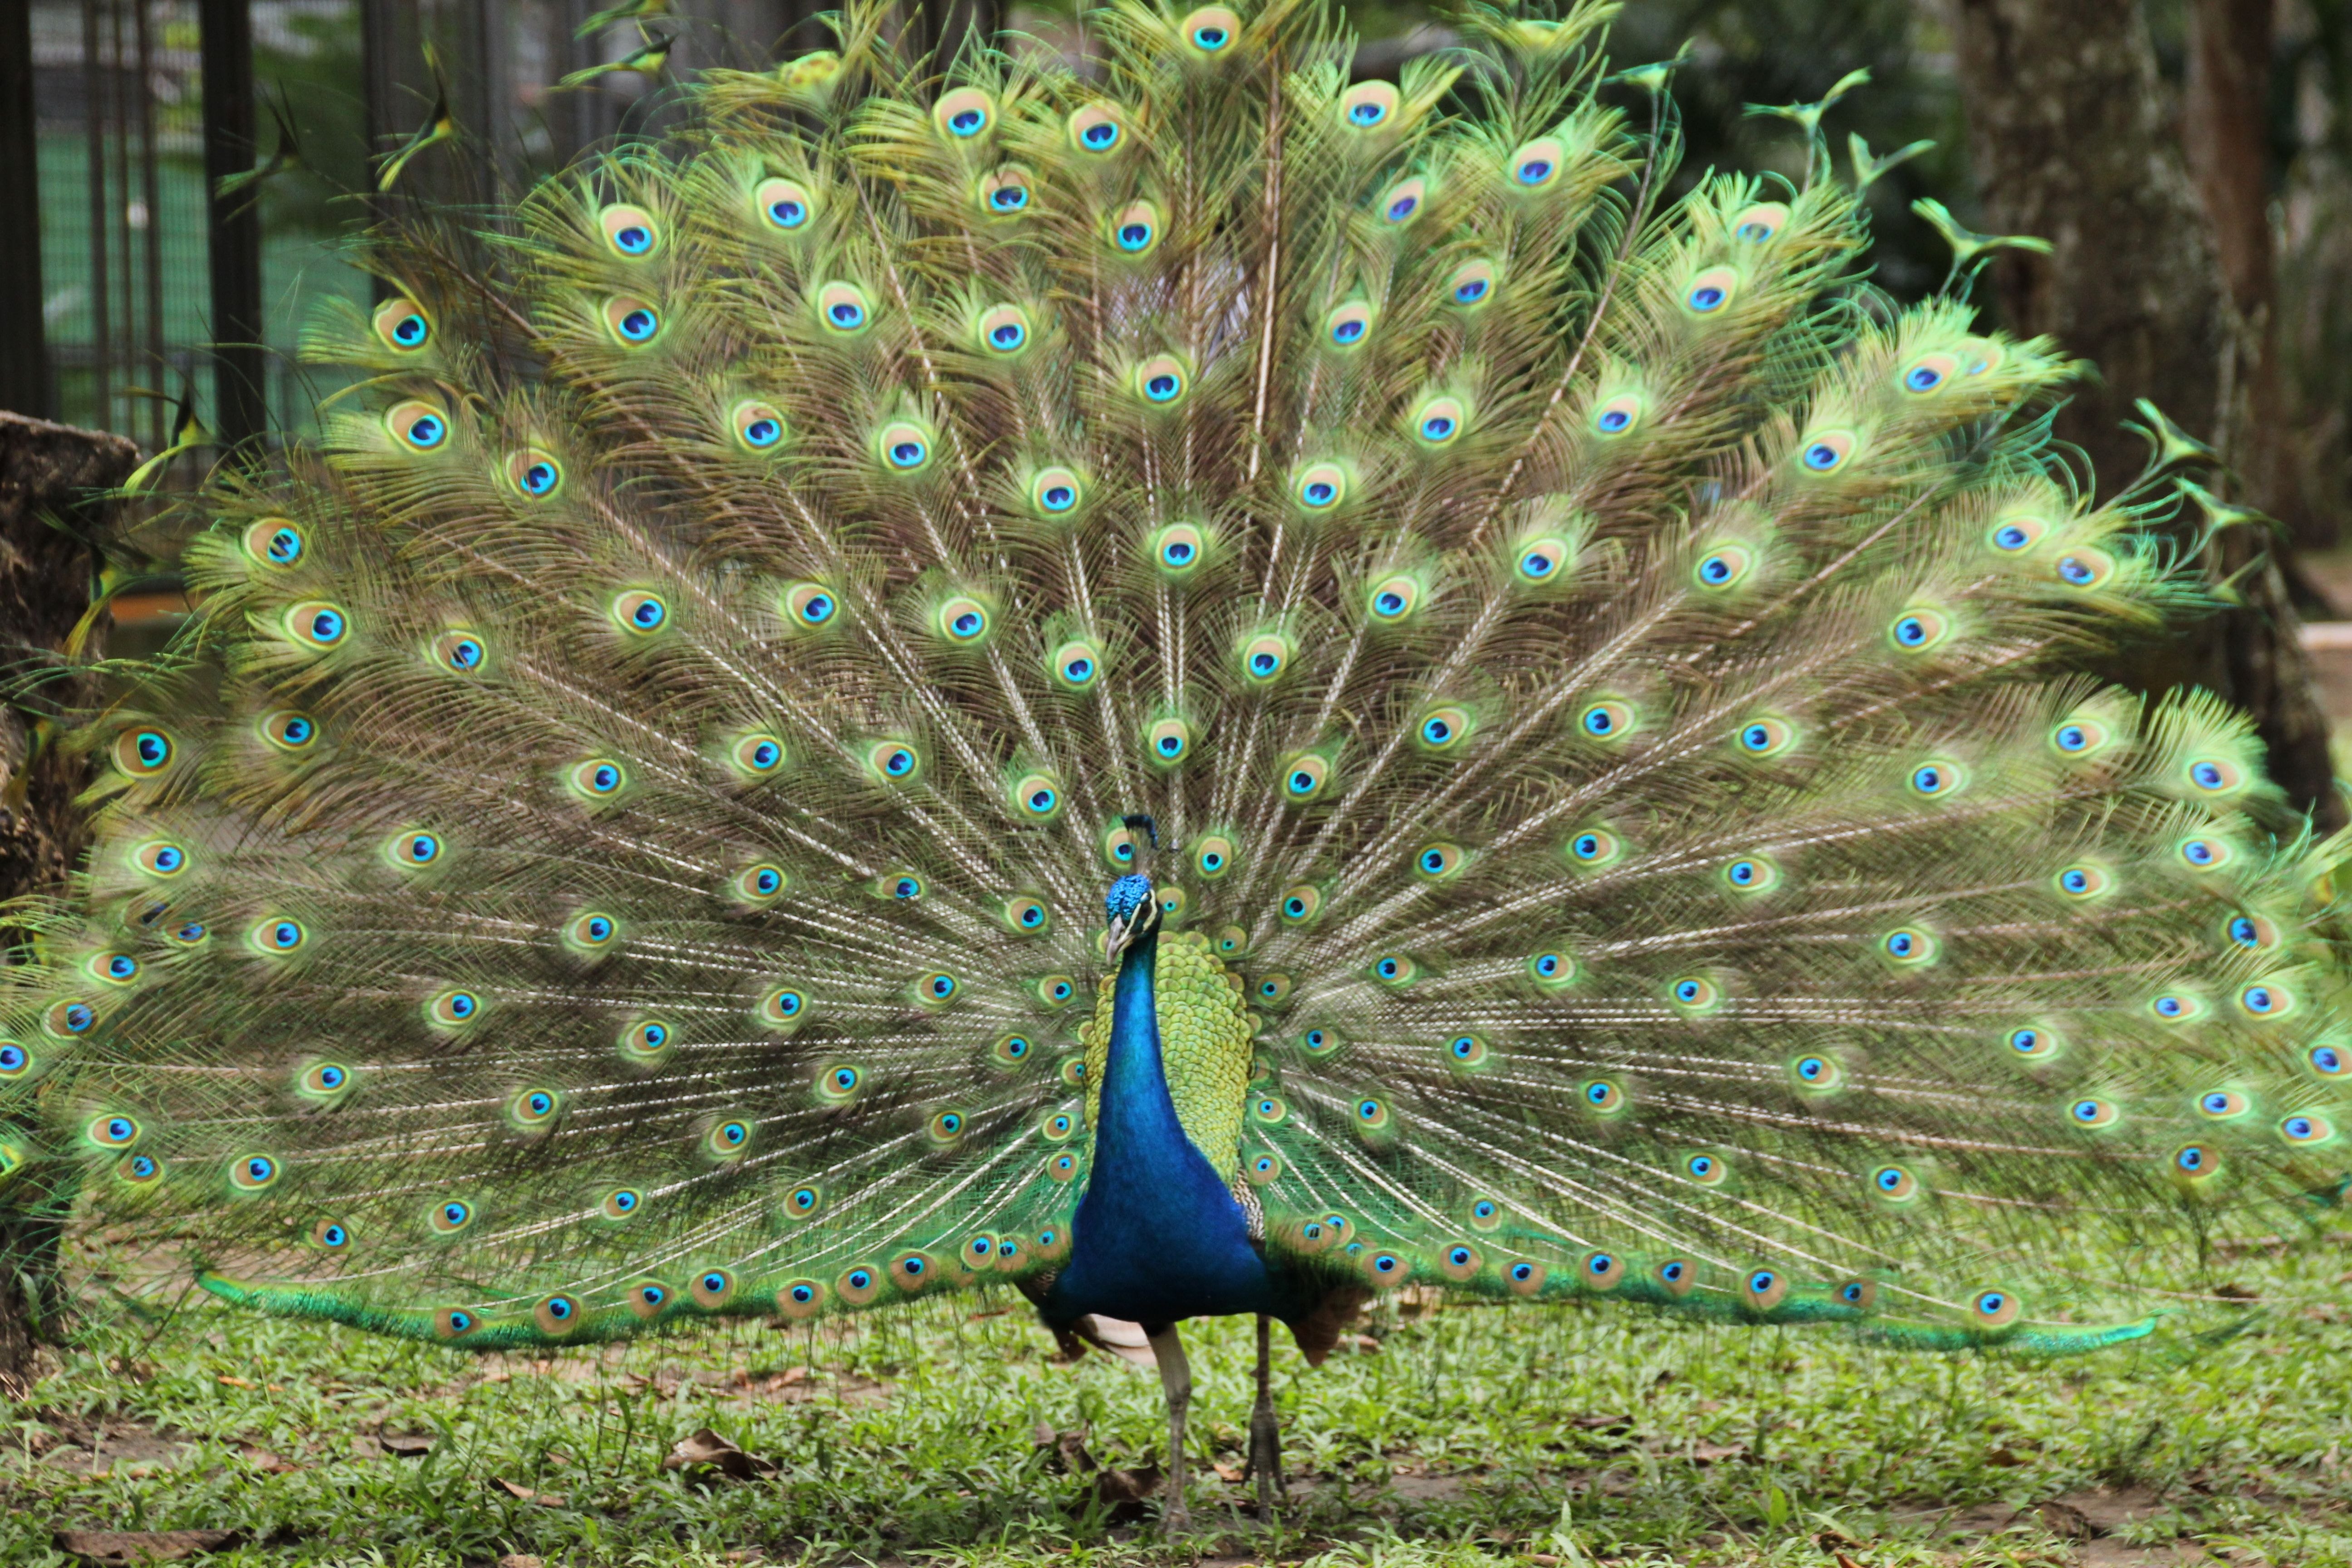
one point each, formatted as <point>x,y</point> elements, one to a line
<point>1554,1437</point>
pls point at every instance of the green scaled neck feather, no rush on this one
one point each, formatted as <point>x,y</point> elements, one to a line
<point>623,839</point>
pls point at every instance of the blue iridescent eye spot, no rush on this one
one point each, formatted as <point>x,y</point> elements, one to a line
<point>1436,427</point>
<point>1923,378</point>
<point>1009,198</point>
<point>1470,290</point>
<point>637,325</point>
<point>1134,236</point>
<point>2207,775</point>
<point>1367,114</point>
<point>1401,208</point>
<point>2076,571</point>
<point>968,122</point>
<point>1811,1069</point>
<point>1706,297</point>
<point>787,213</point>
<point>1821,456</point>
<point>2009,536</point>
<point>1100,136</point>
<point>1350,331</point>
<point>1614,421</point>
<point>1210,39</point>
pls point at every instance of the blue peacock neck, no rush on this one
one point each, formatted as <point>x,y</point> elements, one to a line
<point>1158,1234</point>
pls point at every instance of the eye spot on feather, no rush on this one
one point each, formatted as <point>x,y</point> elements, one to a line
<point>1438,421</point>
<point>1232,942</point>
<point>331,1235</point>
<point>1706,1170</point>
<point>1168,742</point>
<point>838,1083</point>
<point>1063,1168</point>
<point>1595,847</point>
<point>648,1041</point>
<point>1348,325</point>
<point>1211,30</point>
<point>318,625</point>
<point>449,1216</point>
<point>1369,105</point>
<point>2327,1061</point>
<point>905,446</point>
<point>1097,128</point>
<point>1604,1097</point>
<point>631,321</point>
<point>1619,414</point>
<point>1606,720</point>
<point>1404,200</point>
<point>1751,874</point>
<point>2176,1006</point>
<point>1438,862</point>
<point>2016,535</point>
<point>935,989</point>
<point>2266,1001</point>
<point>1907,947</point>
<point>1537,164</point>
<point>639,613</point>
<point>1037,797</point>
<point>65,1020</point>
<point>785,205</point>
<point>1272,990</point>
<point>649,1301</point>
<point>452,1009</point>
<point>454,1323</point>
<point>159,857</point>
<point>1601,1270</point>
<point>274,542</point>
<point>461,652</point>
<point>1711,291</point>
<point>1936,780</point>
<point>1303,778</point>
<point>1761,222</point>
<point>1298,906</point>
<point>16,1063</point>
<point>1765,737</point>
<point>1539,560</point>
<point>401,326</point>
<point>2085,568</point>
<point>728,1140</point>
<point>964,114</point>
<point>712,1288</point>
<point>2078,738</point>
<point>2203,854</point>
<point>2083,882</point>
<point>2195,1165</point>
<point>1552,968</point>
<point>2306,1128</point>
<point>1472,284</point>
<point>1443,728</point>
<point>1135,229</point>
<point>533,1107</point>
<point>759,884</point>
<point>631,231</point>
<point>1827,452</point>
<point>1929,372</point>
<point>1056,991</point>
<point>417,426</point>
<point>1725,566</point>
<point>757,426</point>
<point>2215,775</point>
<point>1811,1074</point>
<point>1895,1184</point>
<point>2253,933</point>
<point>1004,193</point>
<point>534,475</point>
<point>1055,492</point>
<point>1176,549</point>
<point>278,936</point>
<point>1265,657</point>
<point>842,308</point>
<point>1160,381</point>
<point>557,1316</point>
<point>1916,631</point>
<point>1393,599</point>
<point>1763,1290</point>
<point>115,1131</point>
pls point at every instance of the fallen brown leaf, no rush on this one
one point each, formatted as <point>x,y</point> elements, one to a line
<point>520,1560</point>
<point>405,1445</point>
<point>523,1493</point>
<point>706,1450</point>
<point>1229,1473</point>
<point>270,1464</point>
<point>123,1548</point>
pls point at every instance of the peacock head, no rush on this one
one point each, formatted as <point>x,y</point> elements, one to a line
<point>1133,910</point>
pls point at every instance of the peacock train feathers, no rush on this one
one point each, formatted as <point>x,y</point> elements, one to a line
<point>624,838</point>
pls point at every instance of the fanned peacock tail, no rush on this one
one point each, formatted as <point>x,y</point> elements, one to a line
<point>623,836</point>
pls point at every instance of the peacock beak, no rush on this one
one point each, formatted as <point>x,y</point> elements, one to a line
<point>1125,929</point>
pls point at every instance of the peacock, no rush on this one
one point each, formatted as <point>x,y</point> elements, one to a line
<point>1195,688</point>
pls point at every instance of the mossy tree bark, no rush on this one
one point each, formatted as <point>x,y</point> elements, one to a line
<point>2070,141</point>
<point>47,472</point>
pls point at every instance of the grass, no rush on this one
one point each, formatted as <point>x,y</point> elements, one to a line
<point>1551,1436</point>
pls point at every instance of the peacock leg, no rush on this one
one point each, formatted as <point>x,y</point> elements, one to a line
<point>1176,1380</point>
<point>1265,1432</point>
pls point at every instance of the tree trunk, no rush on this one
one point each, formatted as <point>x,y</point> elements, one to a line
<point>2068,137</point>
<point>44,574</point>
